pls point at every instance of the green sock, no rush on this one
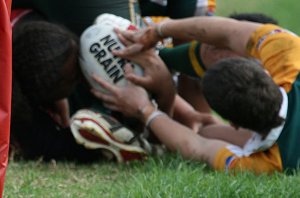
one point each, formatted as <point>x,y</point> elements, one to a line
<point>184,58</point>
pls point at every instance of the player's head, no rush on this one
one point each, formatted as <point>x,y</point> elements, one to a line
<point>254,17</point>
<point>242,92</point>
<point>19,105</point>
<point>45,61</point>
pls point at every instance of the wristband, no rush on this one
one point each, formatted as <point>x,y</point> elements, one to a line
<point>152,116</point>
<point>159,30</point>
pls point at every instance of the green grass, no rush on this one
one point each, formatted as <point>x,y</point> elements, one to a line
<point>169,176</point>
<point>286,12</point>
<point>166,177</point>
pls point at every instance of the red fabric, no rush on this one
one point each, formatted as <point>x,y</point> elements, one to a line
<point>17,14</point>
<point>5,86</point>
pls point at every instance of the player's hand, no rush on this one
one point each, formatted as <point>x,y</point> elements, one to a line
<point>203,119</point>
<point>155,70</point>
<point>188,116</point>
<point>136,41</point>
<point>196,120</point>
<point>156,79</point>
<point>128,100</point>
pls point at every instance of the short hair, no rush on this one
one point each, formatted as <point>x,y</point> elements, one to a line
<point>40,52</point>
<point>254,17</point>
<point>241,91</point>
<point>21,111</point>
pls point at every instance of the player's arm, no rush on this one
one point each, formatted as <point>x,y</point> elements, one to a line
<point>181,139</point>
<point>219,31</point>
<point>227,133</point>
<point>133,101</point>
<point>185,114</point>
<point>207,125</point>
<point>181,109</point>
<point>157,79</point>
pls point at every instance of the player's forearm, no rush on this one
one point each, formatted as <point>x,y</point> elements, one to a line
<point>226,133</point>
<point>181,111</point>
<point>194,28</point>
<point>175,136</point>
<point>166,104</point>
<point>166,99</point>
<point>218,31</point>
<point>181,139</point>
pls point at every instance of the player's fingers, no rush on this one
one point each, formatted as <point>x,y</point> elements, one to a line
<point>143,81</point>
<point>106,97</point>
<point>121,32</point>
<point>106,85</point>
<point>123,40</point>
<point>117,30</point>
<point>128,70</point>
<point>125,35</point>
<point>204,118</point>
<point>128,34</point>
<point>129,50</point>
<point>111,106</point>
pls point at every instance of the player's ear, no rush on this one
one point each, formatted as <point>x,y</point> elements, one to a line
<point>59,112</point>
<point>234,125</point>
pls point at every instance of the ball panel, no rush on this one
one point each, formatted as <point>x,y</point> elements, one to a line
<point>96,44</point>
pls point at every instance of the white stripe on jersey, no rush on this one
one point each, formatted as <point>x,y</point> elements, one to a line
<point>202,3</point>
<point>257,142</point>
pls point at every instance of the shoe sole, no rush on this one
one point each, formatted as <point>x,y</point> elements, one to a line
<point>87,135</point>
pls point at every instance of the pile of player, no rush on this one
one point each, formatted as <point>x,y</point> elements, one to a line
<point>247,72</point>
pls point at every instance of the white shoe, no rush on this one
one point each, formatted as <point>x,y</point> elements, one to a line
<point>95,130</point>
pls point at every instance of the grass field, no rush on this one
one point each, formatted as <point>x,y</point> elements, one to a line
<point>169,176</point>
<point>286,12</point>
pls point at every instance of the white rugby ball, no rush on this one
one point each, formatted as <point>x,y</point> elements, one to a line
<point>117,21</point>
<point>96,44</point>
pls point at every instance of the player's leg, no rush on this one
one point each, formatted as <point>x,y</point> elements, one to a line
<point>218,154</point>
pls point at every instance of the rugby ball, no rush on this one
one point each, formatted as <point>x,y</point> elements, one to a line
<point>117,21</point>
<point>96,44</point>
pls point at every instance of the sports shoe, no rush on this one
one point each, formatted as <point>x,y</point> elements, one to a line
<point>95,130</point>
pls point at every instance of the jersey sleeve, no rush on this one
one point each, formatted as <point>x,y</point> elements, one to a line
<point>278,50</point>
<point>268,161</point>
